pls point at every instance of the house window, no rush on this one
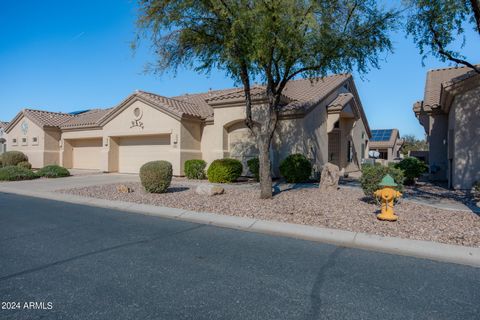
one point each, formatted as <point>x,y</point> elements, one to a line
<point>24,141</point>
<point>35,141</point>
<point>349,151</point>
<point>363,151</point>
<point>14,142</point>
<point>336,125</point>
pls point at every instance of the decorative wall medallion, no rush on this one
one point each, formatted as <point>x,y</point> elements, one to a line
<point>24,127</point>
<point>137,114</point>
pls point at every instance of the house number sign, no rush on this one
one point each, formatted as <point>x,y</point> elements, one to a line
<point>137,115</point>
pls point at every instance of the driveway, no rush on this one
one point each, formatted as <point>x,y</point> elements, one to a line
<point>94,263</point>
<point>79,179</point>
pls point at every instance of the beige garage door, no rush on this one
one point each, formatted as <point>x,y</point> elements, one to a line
<point>87,153</point>
<point>133,152</point>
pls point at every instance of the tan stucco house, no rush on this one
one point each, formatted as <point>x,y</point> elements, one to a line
<point>322,119</point>
<point>450,114</point>
<point>3,136</point>
<point>387,143</point>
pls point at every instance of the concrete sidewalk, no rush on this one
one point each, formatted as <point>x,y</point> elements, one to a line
<point>416,248</point>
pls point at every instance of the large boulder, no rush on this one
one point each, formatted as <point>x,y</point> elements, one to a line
<point>329,178</point>
<point>209,190</point>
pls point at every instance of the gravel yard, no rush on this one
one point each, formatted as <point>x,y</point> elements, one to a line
<point>342,209</point>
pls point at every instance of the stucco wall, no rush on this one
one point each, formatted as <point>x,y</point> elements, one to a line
<point>437,140</point>
<point>214,143</point>
<point>34,151</point>
<point>190,141</point>
<point>155,122</point>
<point>464,120</point>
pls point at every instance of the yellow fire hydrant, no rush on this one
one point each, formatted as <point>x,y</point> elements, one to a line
<point>387,195</point>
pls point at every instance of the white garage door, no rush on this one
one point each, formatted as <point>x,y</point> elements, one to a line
<point>133,152</point>
<point>87,153</point>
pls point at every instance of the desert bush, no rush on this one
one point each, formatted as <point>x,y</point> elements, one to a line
<point>296,168</point>
<point>156,176</point>
<point>254,167</point>
<point>53,171</point>
<point>224,170</point>
<point>25,164</point>
<point>373,174</point>
<point>195,169</point>
<point>412,168</point>
<point>15,173</point>
<point>12,158</point>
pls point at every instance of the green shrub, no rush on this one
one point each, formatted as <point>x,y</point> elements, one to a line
<point>12,158</point>
<point>195,169</point>
<point>15,173</point>
<point>156,176</point>
<point>412,168</point>
<point>1,161</point>
<point>373,174</point>
<point>53,171</point>
<point>254,167</point>
<point>25,164</point>
<point>296,168</point>
<point>224,170</point>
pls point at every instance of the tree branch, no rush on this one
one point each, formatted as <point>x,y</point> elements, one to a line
<point>446,54</point>
<point>476,12</point>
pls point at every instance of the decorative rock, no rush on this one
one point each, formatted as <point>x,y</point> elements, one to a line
<point>329,178</point>
<point>209,190</point>
<point>124,189</point>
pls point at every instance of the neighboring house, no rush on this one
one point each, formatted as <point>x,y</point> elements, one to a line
<point>3,137</point>
<point>322,119</point>
<point>450,114</point>
<point>387,143</point>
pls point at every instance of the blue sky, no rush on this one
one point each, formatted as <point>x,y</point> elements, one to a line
<point>74,55</point>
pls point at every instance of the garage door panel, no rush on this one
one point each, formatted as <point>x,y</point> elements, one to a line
<point>87,153</point>
<point>133,152</point>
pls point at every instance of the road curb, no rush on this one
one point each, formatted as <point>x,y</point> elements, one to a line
<point>416,248</point>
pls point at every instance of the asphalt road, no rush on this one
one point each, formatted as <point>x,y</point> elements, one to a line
<point>90,263</point>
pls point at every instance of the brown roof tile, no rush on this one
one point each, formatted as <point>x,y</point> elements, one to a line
<point>341,101</point>
<point>86,119</point>
<point>178,107</point>
<point>3,125</point>
<point>200,99</point>
<point>436,80</point>
<point>47,118</point>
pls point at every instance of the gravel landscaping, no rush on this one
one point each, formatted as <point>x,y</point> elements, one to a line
<point>343,209</point>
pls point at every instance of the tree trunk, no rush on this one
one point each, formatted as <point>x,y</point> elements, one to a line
<point>265,167</point>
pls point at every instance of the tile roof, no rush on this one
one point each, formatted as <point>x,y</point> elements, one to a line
<point>299,95</point>
<point>200,99</point>
<point>178,107</point>
<point>438,79</point>
<point>3,125</point>
<point>47,118</point>
<point>341,101</point>
<point>86,119</point>
<point>392,140</point>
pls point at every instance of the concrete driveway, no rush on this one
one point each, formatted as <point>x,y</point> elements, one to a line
<point>78,179</point>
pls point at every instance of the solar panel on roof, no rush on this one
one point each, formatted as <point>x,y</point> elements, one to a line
<point>381,135</point>
<point>74,113</point>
